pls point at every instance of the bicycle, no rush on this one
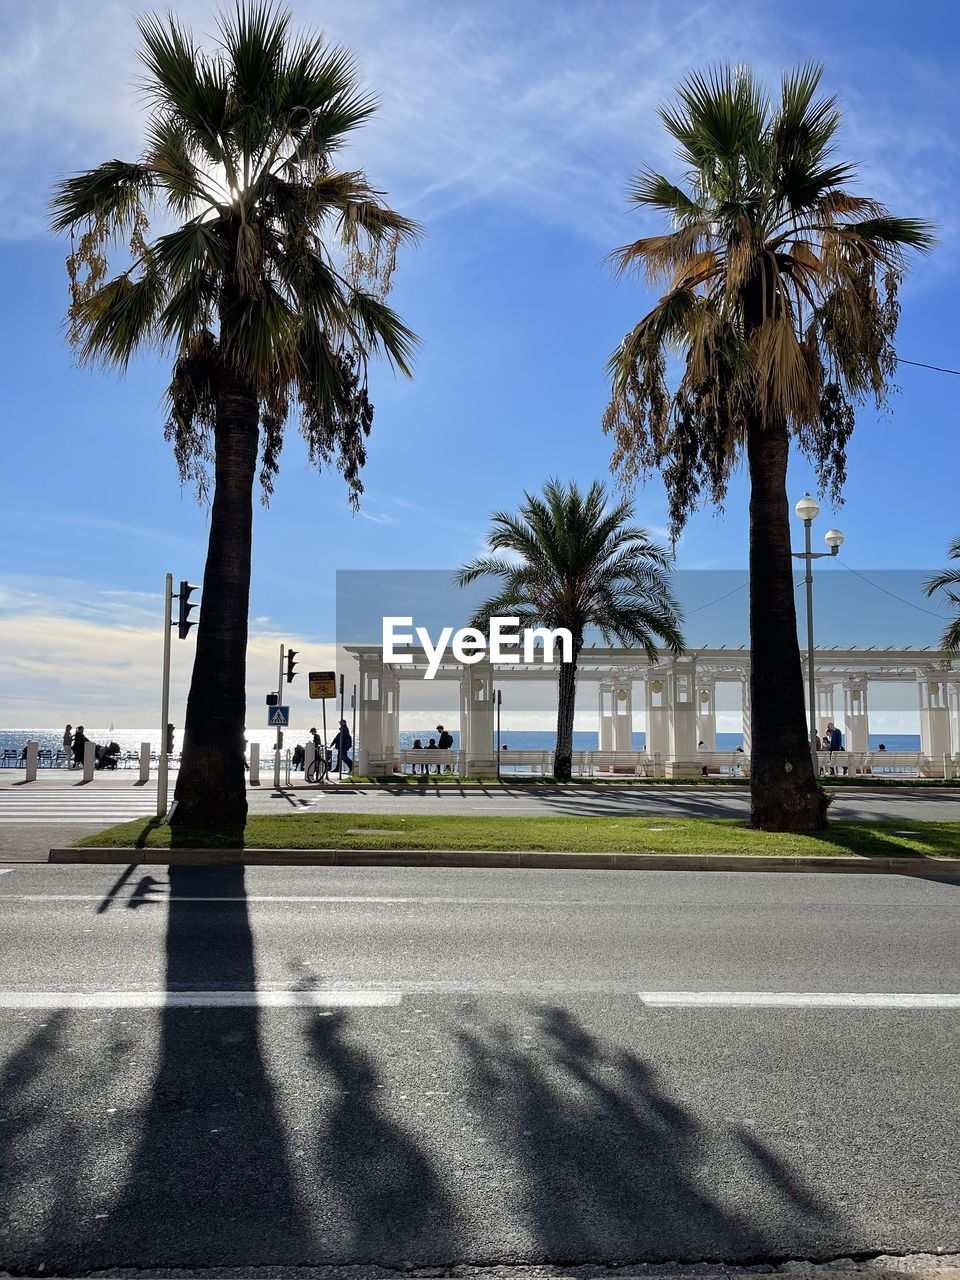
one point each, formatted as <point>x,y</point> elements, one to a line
<point>321,766</point>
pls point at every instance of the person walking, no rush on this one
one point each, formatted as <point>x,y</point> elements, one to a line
<point>67,745</point>
<point>79,742</point>
<point>343,742</point>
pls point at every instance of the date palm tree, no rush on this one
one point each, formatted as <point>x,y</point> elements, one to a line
<point>781,300</point>
<point>570,559</point>
<point>264,284</point>
<point>948,582</point>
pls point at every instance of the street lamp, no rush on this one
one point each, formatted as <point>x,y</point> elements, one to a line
<point>808,510</point>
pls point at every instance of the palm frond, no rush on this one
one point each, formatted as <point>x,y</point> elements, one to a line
<point>121,318</point>
<point>380,328</point>
<point>113,192</point>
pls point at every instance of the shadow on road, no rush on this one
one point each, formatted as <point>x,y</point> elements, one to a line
<point>136,1139</point>
<point>393,1198</point>
<point>211,1174</point>
<point>612,1166</point>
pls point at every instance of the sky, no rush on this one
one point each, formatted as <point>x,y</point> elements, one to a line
<point>510,131</point>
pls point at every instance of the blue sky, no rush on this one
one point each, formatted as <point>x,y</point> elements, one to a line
<point>510,130</point>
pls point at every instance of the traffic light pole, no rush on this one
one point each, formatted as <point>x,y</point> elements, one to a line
<point>163,766</point>
<point>276,749</point>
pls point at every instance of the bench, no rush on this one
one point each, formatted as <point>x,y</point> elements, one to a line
<point>719,763</point>
<point>896,762</point>
<point>633,763</point>
<point>535,761</point>
<point>446,761</point>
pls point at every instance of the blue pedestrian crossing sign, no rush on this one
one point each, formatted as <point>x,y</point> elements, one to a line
<point>278,717</point>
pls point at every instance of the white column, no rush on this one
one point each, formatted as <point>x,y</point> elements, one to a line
<point>623,715</point>
<point>476,695</point>
<point>605,733</point>
<point>746,726</point>
<point>31,762</point>
<point>856,719</point>
<point>464,712</point>
<point>658,720</point>
<point>953,701</point>
<point>255,764</point>
<point>144,761</point>
<point>934,716</point>
<point>682,720</point>
<point>370,712</point>
<point>391,715</point>
<point>89,757</point>
<point>707,713</point>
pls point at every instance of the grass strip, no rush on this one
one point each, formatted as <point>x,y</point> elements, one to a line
<point>560,834</point>
<point>419,781</point>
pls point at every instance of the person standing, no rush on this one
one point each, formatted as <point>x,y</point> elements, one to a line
<point>67,745</point>
<point>79,742</point>
<point>444,742</point>
<point>836,744</point>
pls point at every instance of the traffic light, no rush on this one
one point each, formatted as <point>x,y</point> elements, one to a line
<point>291,654</point>
<point>273,700</point>
<point>183,613</point>
<point>169,746</point>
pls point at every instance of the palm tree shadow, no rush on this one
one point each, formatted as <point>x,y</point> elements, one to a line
<point>211,1163</point>
<point>392,1198</point>
<point>611,1166</point>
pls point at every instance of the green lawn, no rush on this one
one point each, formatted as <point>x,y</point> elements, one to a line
<point>715,780</point>
<point>565,835</point>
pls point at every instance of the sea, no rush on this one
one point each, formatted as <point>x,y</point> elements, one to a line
<point>516,739</point>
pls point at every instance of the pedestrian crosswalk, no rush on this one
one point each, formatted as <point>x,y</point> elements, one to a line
<point>68,805</point>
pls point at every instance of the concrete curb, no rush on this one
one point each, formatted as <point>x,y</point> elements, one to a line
<point>505,858</point>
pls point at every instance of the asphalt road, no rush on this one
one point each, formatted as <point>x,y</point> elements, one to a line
<point>299,1066</point>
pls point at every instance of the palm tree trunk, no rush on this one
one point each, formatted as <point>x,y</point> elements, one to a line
<point>566,708</point>
<point>784,795</point>
<point>211,788</point>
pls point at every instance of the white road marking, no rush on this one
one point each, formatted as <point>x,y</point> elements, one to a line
<point>800,999</point>
<point>198,999</point>
<point>5,871</point>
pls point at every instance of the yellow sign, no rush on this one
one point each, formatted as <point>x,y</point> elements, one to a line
<point>323,684</point>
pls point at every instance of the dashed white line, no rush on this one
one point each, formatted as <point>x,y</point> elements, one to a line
<point>799,999</point>
<point>198,999</point>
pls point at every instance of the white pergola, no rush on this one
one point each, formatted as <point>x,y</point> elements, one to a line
<point>679,696</point>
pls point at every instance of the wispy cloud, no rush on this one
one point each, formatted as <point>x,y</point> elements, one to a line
<point>102,524</point>
<point>484,103</point>
<point>377,517</point>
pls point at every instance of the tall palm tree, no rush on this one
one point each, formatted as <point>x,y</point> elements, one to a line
<point>949,583</point>
<point>265,285</point>
<point>569,559</point>
<point>781,297</point>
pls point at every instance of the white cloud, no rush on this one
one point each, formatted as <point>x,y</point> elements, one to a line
<point>101,662</point>
<point>547,111</point>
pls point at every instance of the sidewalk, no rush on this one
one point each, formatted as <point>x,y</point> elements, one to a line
<point>129,778</point>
